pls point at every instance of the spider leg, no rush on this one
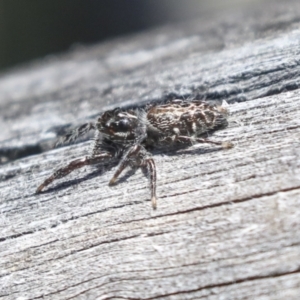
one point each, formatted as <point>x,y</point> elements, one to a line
<point>73,165</point>
<point>76,133</point>
<point>185,139</point>
<point>137,155</point>
<point>151,168</point>
<point>126,160</point>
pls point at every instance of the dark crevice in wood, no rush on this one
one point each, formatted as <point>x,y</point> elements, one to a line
<point>247,279</point>
<point>224,284</point>
<point>227,202</point>
<point>77,251</point>
<point>67,220</point>
<point>10,154</point>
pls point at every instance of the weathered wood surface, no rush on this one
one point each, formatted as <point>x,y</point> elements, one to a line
<point>227,224</point>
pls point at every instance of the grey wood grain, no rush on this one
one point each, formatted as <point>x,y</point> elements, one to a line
<point>227,224</point>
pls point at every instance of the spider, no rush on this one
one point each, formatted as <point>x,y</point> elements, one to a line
<point>127,136</point>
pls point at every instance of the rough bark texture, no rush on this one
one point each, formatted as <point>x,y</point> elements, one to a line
<point>227,223</point>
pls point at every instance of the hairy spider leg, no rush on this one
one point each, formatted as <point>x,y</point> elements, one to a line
<point>73,165</point>
<point>76,133</point>
<point>133,155</point>
<point>151,168</point>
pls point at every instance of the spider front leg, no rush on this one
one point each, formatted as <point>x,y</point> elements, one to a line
<point>73,165</point>
<point>137,156</point>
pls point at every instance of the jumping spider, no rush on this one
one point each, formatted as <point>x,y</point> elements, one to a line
<point>127,135</point>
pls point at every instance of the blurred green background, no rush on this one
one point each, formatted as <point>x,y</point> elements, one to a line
<point>34,28</point>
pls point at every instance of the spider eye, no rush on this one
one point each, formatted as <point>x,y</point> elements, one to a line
<point>123,125</point>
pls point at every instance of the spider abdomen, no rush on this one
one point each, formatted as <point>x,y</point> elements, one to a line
<point>182,118</point>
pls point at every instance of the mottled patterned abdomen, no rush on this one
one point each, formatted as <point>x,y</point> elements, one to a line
<point>180,117</point>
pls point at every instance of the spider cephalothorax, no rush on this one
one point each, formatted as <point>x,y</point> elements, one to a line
<point>117,125</point>
<point>128,135</point>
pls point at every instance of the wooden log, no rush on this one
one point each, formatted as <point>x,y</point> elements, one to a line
<point>227,223</point>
